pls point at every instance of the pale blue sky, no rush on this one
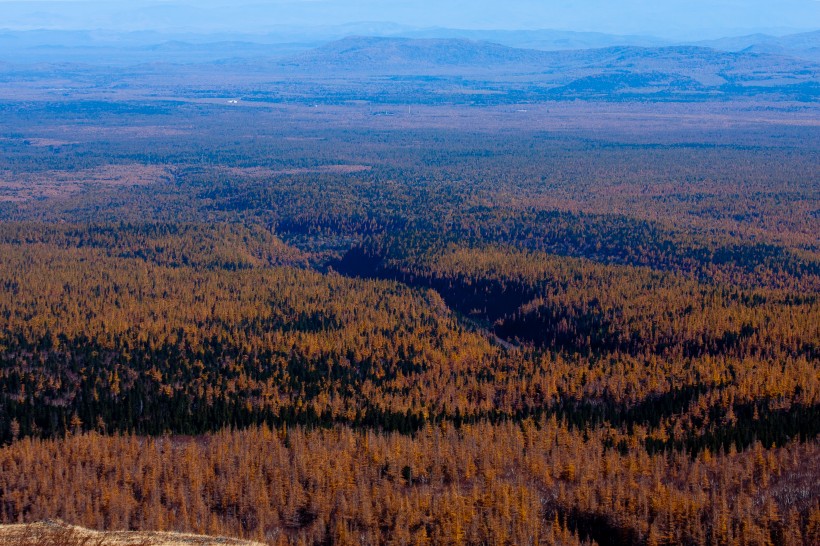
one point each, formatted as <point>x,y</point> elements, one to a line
<point>657,17</point>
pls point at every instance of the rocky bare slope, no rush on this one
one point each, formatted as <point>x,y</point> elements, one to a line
<point>55,533</point>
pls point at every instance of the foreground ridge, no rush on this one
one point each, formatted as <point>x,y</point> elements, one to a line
<point>58,533</point>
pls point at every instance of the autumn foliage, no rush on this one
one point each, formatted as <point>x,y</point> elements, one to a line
<point>416,336</point>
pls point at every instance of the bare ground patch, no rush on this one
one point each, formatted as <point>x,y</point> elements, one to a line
<point>56,533</point>
<point>38,142</point>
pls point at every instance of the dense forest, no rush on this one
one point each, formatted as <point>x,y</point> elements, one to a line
<point>388,331</point>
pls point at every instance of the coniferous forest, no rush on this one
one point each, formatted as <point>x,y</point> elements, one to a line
<point>464,324</point>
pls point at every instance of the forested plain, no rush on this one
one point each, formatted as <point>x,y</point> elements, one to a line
<point>454,324</point>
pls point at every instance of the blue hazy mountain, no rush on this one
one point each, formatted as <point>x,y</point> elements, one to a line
<point>124,47</point>
<point>628,72</point>
<point>804,45</point>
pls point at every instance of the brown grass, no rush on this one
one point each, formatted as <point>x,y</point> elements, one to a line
<point>57,183</point>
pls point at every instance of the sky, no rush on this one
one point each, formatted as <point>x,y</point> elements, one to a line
<point>665,18</point>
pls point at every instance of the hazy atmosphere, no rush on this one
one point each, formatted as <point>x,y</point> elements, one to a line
<point>682,19</point>
<point>359,272</point>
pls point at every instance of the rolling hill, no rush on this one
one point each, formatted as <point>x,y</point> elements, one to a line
<point>674,71</point>
<point>805,45</point>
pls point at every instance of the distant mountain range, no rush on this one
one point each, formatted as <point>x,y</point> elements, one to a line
<point>805,45</point>
<point>127,47</point>
<point>625,71</point>
<point>386,54</point>
<point>391,54</point>
<point>698,67</point>
<point>440,69</point>
<point>545,40</point>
